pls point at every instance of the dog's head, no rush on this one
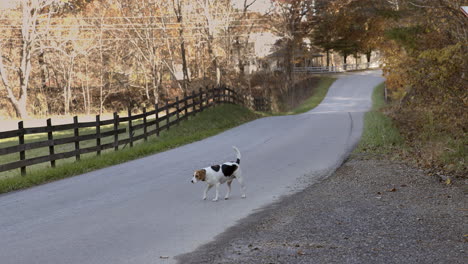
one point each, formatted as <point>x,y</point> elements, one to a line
<point>199,175</point>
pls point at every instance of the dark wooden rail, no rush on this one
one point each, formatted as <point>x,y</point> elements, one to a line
<point>151,122</point>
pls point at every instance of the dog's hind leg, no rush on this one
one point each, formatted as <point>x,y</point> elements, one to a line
<point>217,192</point>
<point>208,187</point>
<point>241,182</point>
<point>229,190</point>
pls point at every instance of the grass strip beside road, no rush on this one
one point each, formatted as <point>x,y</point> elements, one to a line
<point>208,123</point>
<point>380,135</point>
<point>317,97</point>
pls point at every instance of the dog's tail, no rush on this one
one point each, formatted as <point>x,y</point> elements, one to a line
<point>238,154</point>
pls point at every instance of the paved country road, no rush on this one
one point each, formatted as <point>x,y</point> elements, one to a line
<point>140,211</point>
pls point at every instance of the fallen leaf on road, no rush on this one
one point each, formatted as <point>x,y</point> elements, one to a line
<point>300,253</point>
<point>448,181</point>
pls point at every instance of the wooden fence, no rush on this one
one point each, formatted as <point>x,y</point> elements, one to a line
<point>261,104</point>
<point>151,122</point>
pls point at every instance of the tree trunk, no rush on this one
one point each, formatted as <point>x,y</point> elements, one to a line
<point>368,56</point>
<point>214,60</point>
<point>43,67</point>
<point>85,103</point>
<point>218,75</point>
<point>65,100</point>
<point>24,73</point>
<point>239,57</point>
<point>88,108</point>
<point>184,64</point>
<point>18,104</point>
<point>288,64</point>
<point>156,81</point>
<point>20,107</point>
<point>345,59</point>
<point>178,12</point>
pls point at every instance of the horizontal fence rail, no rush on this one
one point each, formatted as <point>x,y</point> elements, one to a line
<point>335,69</point>
<point>118,132</point>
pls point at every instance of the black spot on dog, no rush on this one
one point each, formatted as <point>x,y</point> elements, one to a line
<point>215,167</point>
<point>228,170</point>
<point>238,161</point>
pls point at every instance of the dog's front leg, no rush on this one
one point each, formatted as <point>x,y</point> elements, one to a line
<point>208,187</point>
<point>217,192</point>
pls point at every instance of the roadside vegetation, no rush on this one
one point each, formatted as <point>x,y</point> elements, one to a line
<point>316,96</point>
<point>424,145</point>
<point>380,135</point>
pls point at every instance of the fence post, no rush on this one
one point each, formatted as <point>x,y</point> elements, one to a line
<point>130,129</point>
<point>21,142</point>
<point>156,109</point>
<point>167,114</point>
<point>177,109</point>
<point>214,94</point>
<point>77,134</point>
<point>185,105</point>
<point>193,103</point>
<point>50,137</point>
<point>144,124</point>
<point>201,99</point>
<point>224,94</point>
<point>98,134</point>
<point>116,135</point>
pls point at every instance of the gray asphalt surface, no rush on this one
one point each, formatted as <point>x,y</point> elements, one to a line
<point>147,211</point>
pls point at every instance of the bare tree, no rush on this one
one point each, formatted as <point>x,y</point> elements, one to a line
<point>241,43</point>
<point>143,39</point>
<point>290,21</point>
<point>217,17</point>
<point>31,9</point>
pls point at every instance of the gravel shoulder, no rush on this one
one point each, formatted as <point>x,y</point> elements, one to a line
<point>368,211</point>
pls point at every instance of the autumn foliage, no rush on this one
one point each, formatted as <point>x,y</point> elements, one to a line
<point>426,65</point>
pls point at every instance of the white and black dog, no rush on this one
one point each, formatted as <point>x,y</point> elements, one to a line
<point>219,174</point>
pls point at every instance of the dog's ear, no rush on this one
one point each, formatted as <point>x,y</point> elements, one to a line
<point>201,175</point>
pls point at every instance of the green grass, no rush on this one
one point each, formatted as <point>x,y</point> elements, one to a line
<point>319,93</point>
<point>380,135</point>
<point>208,123</point>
